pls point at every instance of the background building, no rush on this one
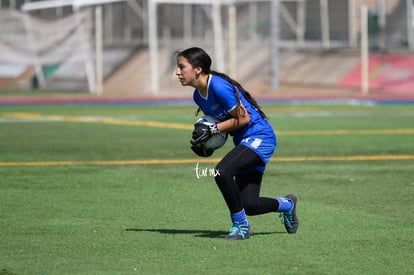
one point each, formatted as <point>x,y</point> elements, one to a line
<point>56,44</point>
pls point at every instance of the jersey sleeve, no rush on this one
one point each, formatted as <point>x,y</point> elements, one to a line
<point>225,95</point>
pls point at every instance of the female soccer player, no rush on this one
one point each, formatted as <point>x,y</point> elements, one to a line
<point>240,172</point>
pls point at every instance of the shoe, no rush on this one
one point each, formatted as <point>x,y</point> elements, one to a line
<point>239,232</point>
<point>289,219</point>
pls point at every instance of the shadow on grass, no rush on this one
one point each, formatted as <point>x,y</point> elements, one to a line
<point>197,233</point>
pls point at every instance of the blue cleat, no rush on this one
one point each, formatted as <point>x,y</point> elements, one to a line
<point>239,232</point>
<point>289,219</point>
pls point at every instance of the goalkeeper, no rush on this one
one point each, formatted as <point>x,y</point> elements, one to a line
<point>240,172</point>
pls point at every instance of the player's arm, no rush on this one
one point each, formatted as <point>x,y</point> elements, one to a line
<point>240,118</point>
<point>202,132</point>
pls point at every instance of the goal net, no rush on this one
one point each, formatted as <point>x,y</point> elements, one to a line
<point>58,49</point>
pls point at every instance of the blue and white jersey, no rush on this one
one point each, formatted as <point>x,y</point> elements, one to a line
<point>220,101</point>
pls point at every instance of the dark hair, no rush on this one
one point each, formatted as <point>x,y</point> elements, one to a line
<point>197,57</point>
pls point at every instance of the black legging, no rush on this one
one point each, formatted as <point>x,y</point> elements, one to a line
<point>242,190</point>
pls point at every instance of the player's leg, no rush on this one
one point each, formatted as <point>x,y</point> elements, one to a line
<point>249,185</point>
<point>240,158</point>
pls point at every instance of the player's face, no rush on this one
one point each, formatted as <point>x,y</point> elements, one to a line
<point>185,72</point>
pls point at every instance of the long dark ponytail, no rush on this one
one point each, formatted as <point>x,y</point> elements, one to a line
<point>244,92</point>
<point>197,57</point>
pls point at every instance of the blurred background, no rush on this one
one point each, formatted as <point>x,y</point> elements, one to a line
<point>126,47</point>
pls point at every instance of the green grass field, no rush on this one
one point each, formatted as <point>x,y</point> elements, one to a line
<point>112,189</point>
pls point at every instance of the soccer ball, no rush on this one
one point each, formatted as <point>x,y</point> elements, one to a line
<point>215,141</point>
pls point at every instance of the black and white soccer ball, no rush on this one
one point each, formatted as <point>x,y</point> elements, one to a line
<point>215,141</point>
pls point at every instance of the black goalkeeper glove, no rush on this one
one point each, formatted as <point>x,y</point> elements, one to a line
<point>202,132</point>
<point>200,151</point>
